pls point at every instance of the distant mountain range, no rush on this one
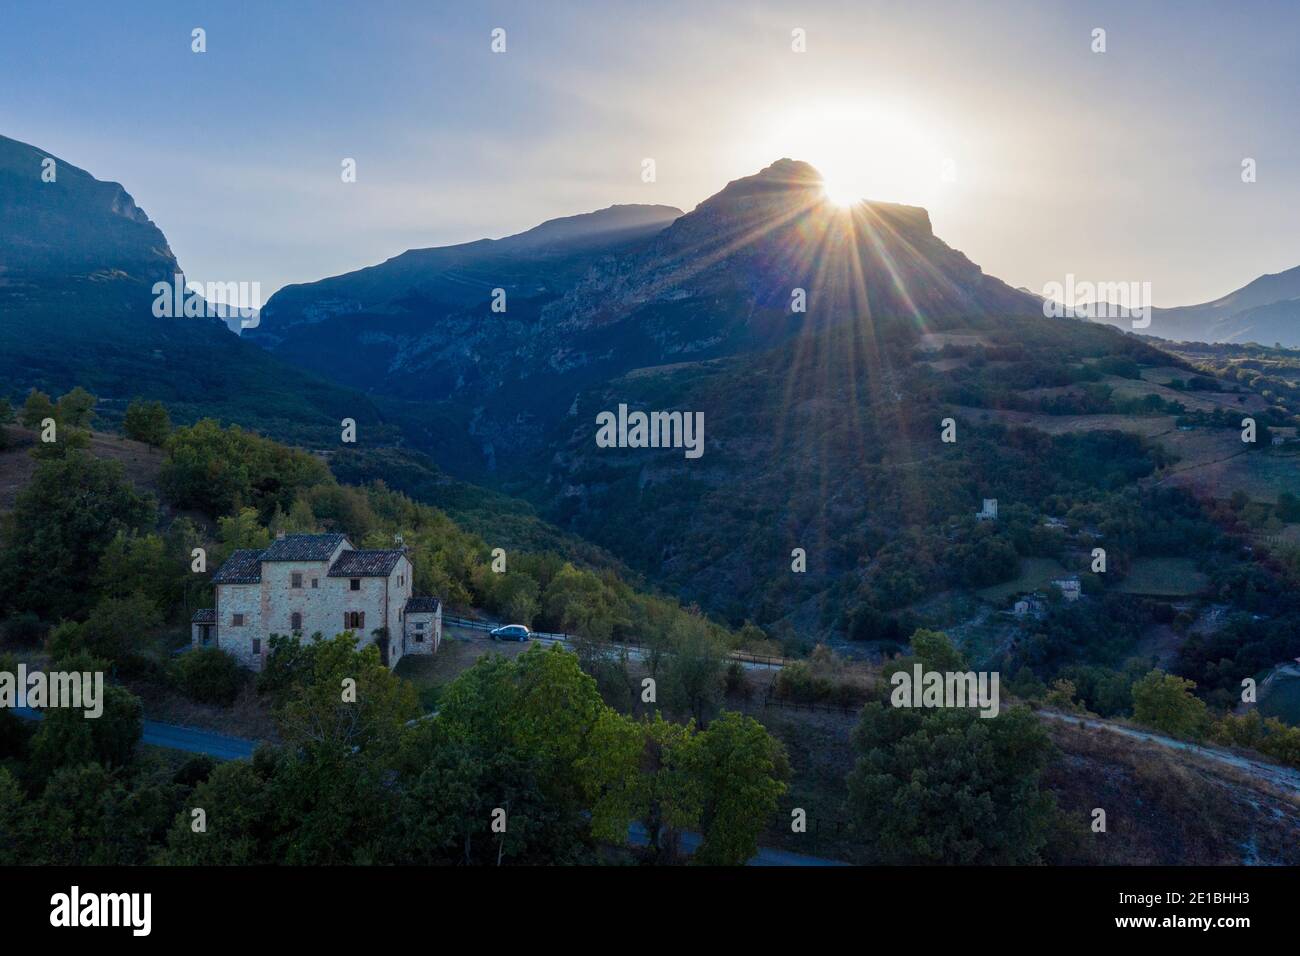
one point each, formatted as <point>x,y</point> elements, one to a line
<point>1265,311</point>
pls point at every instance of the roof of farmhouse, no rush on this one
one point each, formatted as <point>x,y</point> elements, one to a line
<point>245,565</point>
<point>303,547</point>
<point>422,605</point>
<point>365,564</point>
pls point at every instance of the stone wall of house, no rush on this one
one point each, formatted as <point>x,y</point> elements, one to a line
<point>321,600</point>
<point>423,632</point>
<point>237,599</point>
<point>399,592</point>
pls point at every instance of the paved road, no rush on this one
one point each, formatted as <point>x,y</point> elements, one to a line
<point>189,739</point>
<point>1285,778</point>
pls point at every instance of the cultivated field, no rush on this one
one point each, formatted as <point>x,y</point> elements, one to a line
<point>1035,575</point>
<point>1163,577</point>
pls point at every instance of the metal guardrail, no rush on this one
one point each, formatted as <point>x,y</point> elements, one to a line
<point>565,638</point>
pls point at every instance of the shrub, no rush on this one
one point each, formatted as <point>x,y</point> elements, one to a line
<point>209,675</point>
<point>735,680</point>
<point>287,660</point>
<point>798,682</point>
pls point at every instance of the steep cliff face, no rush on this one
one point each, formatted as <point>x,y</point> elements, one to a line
<point>58,222</point>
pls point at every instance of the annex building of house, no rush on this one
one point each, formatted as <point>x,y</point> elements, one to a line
<point>308,583</point>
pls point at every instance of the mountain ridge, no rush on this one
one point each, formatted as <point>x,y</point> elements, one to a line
<point>78,261</point>
<point>764,260</point>
<point>1265,310</point>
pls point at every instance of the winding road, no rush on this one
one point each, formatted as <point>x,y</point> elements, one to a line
<point>175,737</point>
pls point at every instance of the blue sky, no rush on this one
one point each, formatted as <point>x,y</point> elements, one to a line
<point>1122,166</point>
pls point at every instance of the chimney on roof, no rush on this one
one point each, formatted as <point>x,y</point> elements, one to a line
<point>401,545</point>
<point>279,536</point>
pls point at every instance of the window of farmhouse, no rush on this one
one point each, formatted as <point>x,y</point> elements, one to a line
<point>356,584</point>
<point>354,620</point>
<point>297,579</point>
<point>257,645</point>
<point>315,582</point>
<point>237,620</point>
<point>295,621</point>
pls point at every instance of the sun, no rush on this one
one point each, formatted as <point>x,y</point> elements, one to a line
<point>843,192</point>
<point>864,151</point>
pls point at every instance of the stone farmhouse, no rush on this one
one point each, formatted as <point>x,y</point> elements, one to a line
<point>305,583</point>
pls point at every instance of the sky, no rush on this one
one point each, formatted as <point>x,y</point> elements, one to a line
<point>1036,156</point>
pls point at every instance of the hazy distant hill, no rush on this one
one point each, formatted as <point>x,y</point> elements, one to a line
<point>1266,311</point>
<point>78,259</point>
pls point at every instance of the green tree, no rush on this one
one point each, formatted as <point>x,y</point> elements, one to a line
<point>152,565</point>
<point>346,701</point>
<point>240,817</point>
<point>147,422</point>
<point>576,601</point>
<point>76,409</point>
<point>36,409</point>
<point>240,531</point>
<point>1165,702</point>
<point>473,783</point>
<point>61,524</point>
<point>947,786</point>
<point>67,737</point>
<point>739,772</point>
<point>217,470</point>
<point>89,816</point>
<point>693,665</point>
<point>115,630</point>
<point>936,652</point>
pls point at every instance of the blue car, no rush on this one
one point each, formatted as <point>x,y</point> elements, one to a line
<point>510,632</point>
